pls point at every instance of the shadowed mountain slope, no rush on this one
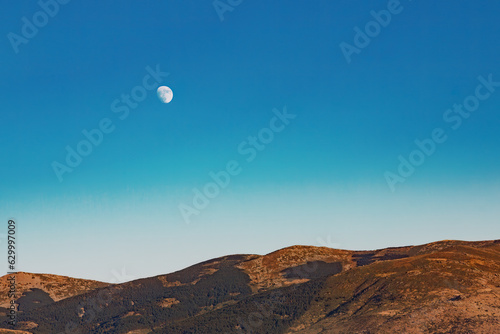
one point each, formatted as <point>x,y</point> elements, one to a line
<point>442,287</point>
<point>57,287</point>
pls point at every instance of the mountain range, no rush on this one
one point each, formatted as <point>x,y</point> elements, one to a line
<point>442,287</point>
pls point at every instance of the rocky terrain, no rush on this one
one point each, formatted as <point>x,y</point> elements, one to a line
<point>57,287</point>
<point>442,287</point>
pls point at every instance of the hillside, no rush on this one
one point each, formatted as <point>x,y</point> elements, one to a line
<point>442,287</point>
<point>56,287</point>
<point>452,290</point>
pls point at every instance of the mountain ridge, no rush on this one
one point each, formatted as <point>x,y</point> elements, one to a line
<point>296,289</point>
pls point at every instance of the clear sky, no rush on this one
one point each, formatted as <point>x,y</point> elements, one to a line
<point>356,103</point>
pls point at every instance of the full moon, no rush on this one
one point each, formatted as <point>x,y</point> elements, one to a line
<point>165,94</point>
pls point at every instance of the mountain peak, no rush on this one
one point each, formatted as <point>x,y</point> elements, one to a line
<point>444,286</point>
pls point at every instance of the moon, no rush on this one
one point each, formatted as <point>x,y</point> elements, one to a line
<point>165,94</point>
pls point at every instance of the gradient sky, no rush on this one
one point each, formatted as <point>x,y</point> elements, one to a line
<point>319,182</point>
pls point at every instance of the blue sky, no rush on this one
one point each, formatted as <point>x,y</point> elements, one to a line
<point>320,181</point>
